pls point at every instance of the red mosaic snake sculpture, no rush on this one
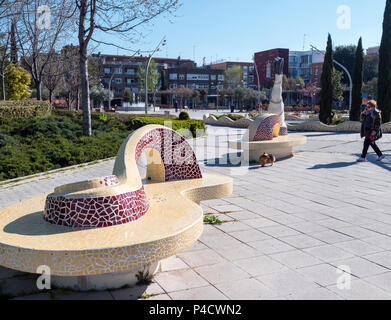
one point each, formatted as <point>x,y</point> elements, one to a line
<point>121,198</point>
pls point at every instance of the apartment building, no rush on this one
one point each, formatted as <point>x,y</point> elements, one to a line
<point>300,65</point>
<point>196,78</point>
<point>373,51</point>
<point>122,71</point>
<point>306,64</point>
<point>246,67</point>
<point>264,63</point>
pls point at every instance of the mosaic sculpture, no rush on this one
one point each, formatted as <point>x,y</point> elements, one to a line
<point>277,103</point>
<point>268,133</point>
<point>100,233</point>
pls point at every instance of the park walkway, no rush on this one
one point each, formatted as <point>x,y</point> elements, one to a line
<point>288,230</point>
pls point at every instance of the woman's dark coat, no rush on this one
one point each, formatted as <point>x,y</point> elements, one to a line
<point>371,123</point>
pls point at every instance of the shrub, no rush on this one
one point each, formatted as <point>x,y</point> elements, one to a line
<point>184,116</point>
<point>33,145</point>
<point>24,109</point>
<point>233,117</point>
<point>192,125</point>
<point>29,146</point>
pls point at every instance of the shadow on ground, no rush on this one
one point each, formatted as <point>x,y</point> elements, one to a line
<point>334,165</point>
<point>23,286</point>
<point>385,164</point>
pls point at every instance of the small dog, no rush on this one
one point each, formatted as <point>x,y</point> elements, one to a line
<point>265,158</point>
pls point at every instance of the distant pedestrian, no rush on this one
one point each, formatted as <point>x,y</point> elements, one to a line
<point>371,130</point>
<point>176,105</point>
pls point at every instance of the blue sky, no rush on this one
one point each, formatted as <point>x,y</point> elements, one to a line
<point>235,29</point>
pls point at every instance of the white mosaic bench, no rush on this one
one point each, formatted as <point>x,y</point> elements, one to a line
<point>100,233</point>
<point>266,135</point>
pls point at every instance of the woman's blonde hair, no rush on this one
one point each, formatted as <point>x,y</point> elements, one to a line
<point>372,103</point>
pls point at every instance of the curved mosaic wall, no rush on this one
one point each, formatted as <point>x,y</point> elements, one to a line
<point>265,128</point>
<point>179,159</point>
<point>180,163</point>
<point>98,211</point>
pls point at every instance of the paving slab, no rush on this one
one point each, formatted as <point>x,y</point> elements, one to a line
<point>291,226</point>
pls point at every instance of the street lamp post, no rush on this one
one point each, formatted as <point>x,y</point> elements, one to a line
<point>161,43</point>
<point>111,79</point>
<point>258,85</point>
<point>347,72</point>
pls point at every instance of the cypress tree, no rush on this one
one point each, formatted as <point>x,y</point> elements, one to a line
<point>326,83</point>
<point>384,85</point>
<point>358,78</point>
<point>14,48</point>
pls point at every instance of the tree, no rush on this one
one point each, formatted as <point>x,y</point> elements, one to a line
<point>195,96</point>
<point>13,44</point>
<point>52,74</point>
<point>370,88</point>
<point>310,91</point>
<point>127,96</point>
<point>384,84</point>
<point>346,56</point>
<point>371,67</point>
<point>120,17</point>
<point>233,77</point>
<point>100,94</point>
<point>4,55</point>
<point>41,26</point>
<point>250,97</point>
<point>358,78</point>
<point>300,83</point>
<point>153,77</point>
<point>292,84</point>
<point>221,96</point>
<point>70,80</point>
<point>337,84</point>
<point>17,82</point>
<point>203,95</point>
<point>239,95</point>
<point>327,87</point>
<point>183,93</point>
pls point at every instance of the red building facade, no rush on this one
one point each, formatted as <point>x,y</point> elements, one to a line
<point>264,64</point>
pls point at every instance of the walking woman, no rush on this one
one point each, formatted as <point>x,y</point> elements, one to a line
<point>371,130</point>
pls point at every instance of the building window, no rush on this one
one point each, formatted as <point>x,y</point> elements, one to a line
<point>220,77</point>
<point>118,80</point>
<point>203,86</point>
<point>107,70</point>
<point>268,70</point>
<point>173,85</point>
<point>213,77</point>
<point>181,77</point>
<point>316,72</point>
<point>198,77</point>
<point>130,71</point>
<point>118,70</point>
<point>173,76</point>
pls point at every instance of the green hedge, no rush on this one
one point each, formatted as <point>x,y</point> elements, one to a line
<point>177,125</point>
<point>233,117</point>
<point>24,109</point>
<point>33,145</point>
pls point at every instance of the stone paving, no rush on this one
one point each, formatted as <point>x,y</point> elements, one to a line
<point>288,231</point>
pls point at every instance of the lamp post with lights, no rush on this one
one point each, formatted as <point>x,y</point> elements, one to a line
<point>161,43</point>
